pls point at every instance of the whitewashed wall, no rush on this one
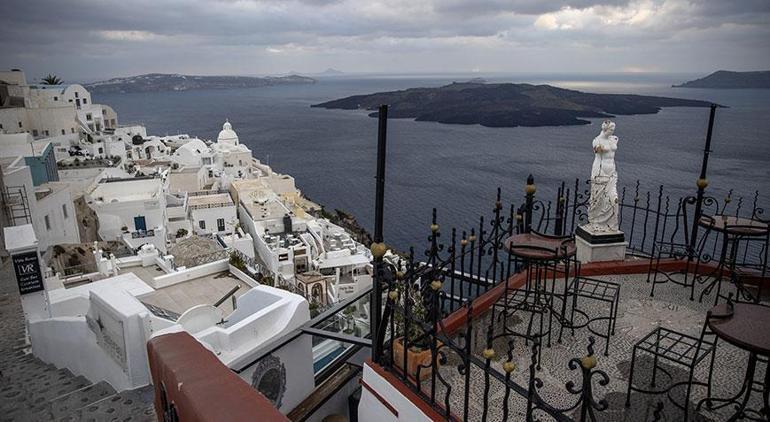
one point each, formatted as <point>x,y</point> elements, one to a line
<point>370,409</point>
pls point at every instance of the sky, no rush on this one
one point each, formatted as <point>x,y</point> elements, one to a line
<point>85,40</point>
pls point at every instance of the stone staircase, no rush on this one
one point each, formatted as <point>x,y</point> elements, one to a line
<point>32,390</point>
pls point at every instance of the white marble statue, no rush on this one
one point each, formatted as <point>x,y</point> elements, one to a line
<point>603,203</point>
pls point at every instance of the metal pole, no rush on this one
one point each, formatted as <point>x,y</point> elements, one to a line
<point>702,180</point>
<point>378,247</point>
<point>528,203</point>
<point>379,204</point>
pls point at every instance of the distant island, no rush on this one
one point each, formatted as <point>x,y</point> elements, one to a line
<point>331,72</point>
<point>153,82</point>
<point>506,104</point>
<point>725,79</point>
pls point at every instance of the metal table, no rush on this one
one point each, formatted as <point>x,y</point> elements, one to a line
<point>546,258</point>
<point>746,326</point>
<point>733,230</point>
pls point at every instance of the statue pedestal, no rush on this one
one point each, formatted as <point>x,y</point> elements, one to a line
<point>599,246</point>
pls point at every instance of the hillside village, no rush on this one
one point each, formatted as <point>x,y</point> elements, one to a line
<point>140,234</point>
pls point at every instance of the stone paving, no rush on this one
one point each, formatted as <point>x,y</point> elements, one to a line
<point>638,314</point>
<point>31,390</point>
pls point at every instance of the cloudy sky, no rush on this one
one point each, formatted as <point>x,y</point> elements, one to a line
<point>90,39</point>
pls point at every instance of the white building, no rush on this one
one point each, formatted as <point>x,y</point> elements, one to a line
<point>291,242</point>
<point>230,156</point>
<point>100,330</point>
<point>131,209</point>
<point>212,212</point>
<point>32,194</point>
<point>50,110</point>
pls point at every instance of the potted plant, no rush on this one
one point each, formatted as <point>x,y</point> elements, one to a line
<point>419,352</point>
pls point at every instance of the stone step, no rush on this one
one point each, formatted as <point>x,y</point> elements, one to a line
<point>68,403</point>
<point>26,400</point>
<point>16,359</point>
<point>135,405</point>
<point>40,377</point>
<point>26,366</point>
<point>42,396</point>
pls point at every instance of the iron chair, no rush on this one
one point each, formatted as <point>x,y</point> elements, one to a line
<point>678,348</point>
<point>689,250</point>
<point>595,290</point>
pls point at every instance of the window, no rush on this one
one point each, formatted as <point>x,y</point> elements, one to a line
<point>19,124</point>
<point>76,95</point>
<point>47,222</point>
<point>63,131</point>
<point>34,132</point>
<point>88,116</point>
<point>1,125</point>
<point>104,112</point>
<point>47,134</point>
<point>56,98</point>
<point>72,129</point>
<point>64,211</point>
<point>202,224</point>
<point>85,100</point>
<point>70,99</point>
<point>220,224</point>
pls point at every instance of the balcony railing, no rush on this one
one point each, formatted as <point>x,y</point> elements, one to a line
<point>140,234</point>
<point>414,299</point>
<point>455,270</point>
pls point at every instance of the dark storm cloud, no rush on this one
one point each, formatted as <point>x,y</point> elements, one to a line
<point>95,38</point>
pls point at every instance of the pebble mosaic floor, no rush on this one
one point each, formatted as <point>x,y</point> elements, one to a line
<point>638,315</point>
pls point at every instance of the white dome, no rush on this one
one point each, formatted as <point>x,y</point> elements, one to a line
<point>227,135</point>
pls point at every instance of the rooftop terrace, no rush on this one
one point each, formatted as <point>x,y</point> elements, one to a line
<point>512,336</point>
<point>207,290</point>
<point>214,200</point>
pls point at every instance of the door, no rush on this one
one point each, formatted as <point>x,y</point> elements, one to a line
<point>139,223</point>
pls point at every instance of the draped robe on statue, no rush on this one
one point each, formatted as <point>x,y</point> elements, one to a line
<point>603,203</point>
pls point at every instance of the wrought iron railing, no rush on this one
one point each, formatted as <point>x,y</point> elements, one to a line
<point>645,216</point>
<point>455,271</point>
<point>418,348</point>
<point>411,298</point>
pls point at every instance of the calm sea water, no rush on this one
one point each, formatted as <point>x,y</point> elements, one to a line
<point>457,169</point>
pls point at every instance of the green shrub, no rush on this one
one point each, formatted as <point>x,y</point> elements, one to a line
<point>237,261</point>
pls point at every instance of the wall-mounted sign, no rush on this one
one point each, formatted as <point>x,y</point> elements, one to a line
<point>28,275</point>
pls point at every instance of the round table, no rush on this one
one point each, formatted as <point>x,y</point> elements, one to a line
<point>734,230</point>
<point>536,246</point>
<point>746,326</point>
<point>545,257</point>
<point>739,226</point>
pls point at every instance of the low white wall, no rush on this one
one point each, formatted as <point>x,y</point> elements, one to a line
<point>72,306</point>
<point>129,261</point>
<point>67,342</point>
<point>164,265</point>
<point>190,273</point>
<point>371,409</point>
<point>99,330</point>
<point>243,276</point>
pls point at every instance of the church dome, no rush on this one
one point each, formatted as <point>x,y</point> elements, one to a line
<point>227,135</point>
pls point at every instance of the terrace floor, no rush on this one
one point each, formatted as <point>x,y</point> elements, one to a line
<point>203,290</point>
<point>638,314</point>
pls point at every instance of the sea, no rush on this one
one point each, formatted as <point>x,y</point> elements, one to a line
<point>458,168</point>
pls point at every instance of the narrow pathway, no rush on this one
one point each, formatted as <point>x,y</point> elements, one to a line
<point>32,390</point>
